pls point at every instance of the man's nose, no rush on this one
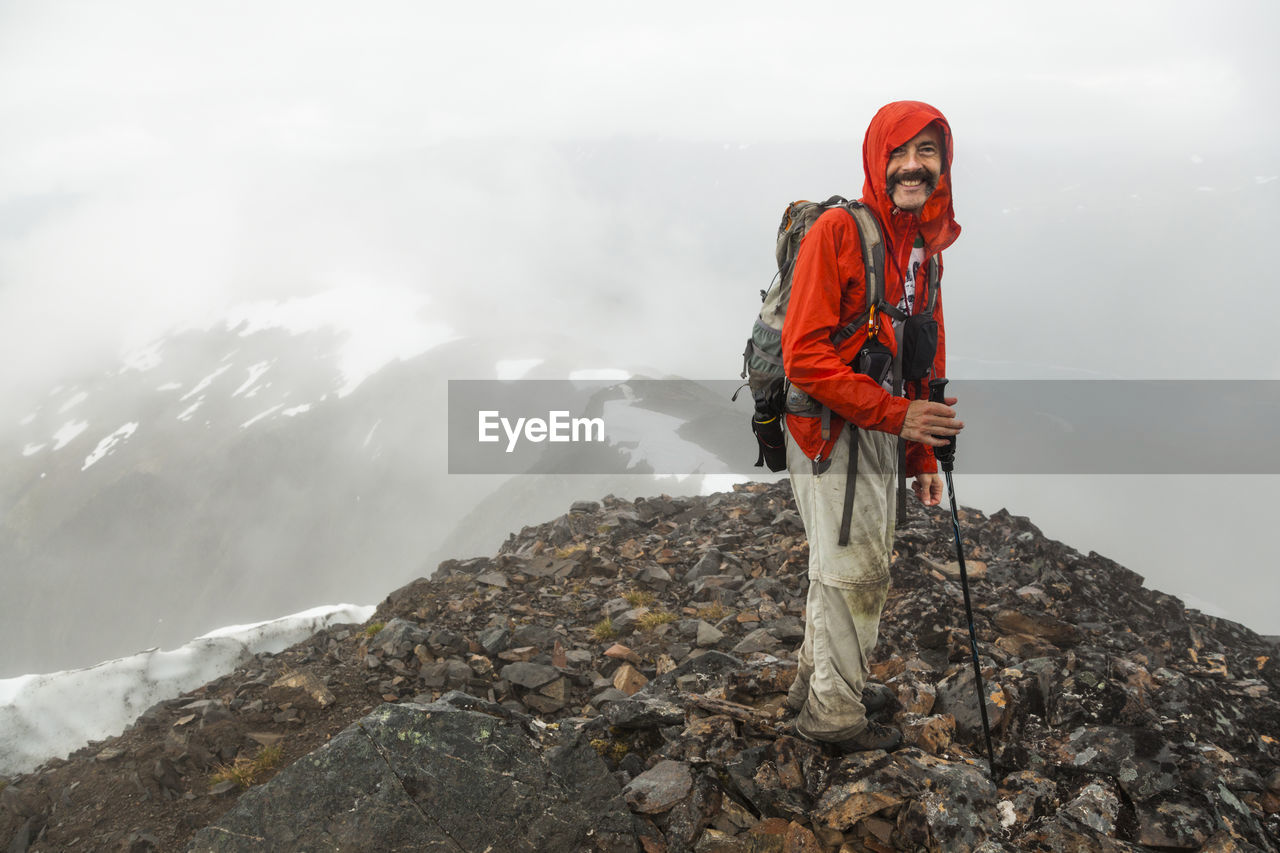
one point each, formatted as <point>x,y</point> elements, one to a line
<point>913,162</point>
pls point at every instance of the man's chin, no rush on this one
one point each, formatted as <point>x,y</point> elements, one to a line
<point>911,203</point>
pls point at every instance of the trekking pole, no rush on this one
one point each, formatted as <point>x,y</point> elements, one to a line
<point>946,456</point>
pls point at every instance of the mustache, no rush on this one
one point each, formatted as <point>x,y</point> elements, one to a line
<point>929,178</point>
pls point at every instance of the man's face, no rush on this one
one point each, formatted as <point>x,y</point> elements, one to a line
<point>914,169</point>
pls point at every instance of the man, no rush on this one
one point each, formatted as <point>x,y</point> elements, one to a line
<point>906,162</point>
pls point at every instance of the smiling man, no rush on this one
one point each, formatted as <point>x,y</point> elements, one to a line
<point>851,402</point>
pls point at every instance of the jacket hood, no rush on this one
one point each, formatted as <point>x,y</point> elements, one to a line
<point>894,125</point>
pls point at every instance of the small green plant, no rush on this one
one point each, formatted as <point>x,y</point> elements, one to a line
<point>653,619</point>
<point>604,630</point>
<point>614,749</point>
<point>247,771</point>
<point>374,628</point>
<point>638,597</point>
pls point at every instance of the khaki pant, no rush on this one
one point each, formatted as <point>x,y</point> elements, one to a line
<point>847,584</point>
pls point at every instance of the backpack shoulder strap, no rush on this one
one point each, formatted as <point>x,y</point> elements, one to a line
<point>935,281</point>
<point>873,266</point>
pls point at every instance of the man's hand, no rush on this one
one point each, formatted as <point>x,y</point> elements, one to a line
<point>928,488</point>
<point>930,423</point>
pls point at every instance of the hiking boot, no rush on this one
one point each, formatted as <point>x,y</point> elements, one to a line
<point>874,698</point>
<point>874,736</point>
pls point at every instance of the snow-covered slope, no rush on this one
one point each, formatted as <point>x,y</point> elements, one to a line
<point>48,716</point>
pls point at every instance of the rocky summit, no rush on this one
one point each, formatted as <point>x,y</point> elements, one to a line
<point>614,680</point>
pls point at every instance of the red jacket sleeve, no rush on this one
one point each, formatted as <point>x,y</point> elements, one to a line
<point>827,292</point>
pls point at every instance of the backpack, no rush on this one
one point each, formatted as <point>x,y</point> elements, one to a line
<point>762,358</point>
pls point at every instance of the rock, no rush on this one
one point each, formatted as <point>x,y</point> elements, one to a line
<point>529,675</point>
<point>628,679</point>
<point>759,640</point>
<point>931,734</point>
<point>398,638</point>
<point>301,690</point>
<point>1173,825</point>
<point>709,564</point>
<point>915,696</point>
<point>1094,806</point>
<point>386,776</point>
<point>1044,626</point>
<point>974,569</point>
<point>644,712</point>
<point>621,652</point>
<point>659,788</point>
<point>708,635</point>
<point>958,696</point>
<point>1026,795</point>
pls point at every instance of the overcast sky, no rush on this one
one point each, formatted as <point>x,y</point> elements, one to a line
<point>618,168</point>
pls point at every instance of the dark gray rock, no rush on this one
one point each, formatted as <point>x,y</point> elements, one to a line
<point>709,564</point>
<point>644,712</point>
<point>659,788</point>
<point>383,784</point>
<point>494,640</point>
<point>529,675</point>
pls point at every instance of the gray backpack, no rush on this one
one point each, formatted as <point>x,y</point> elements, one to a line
<point>762,358</point>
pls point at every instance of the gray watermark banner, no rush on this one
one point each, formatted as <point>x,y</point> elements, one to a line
<point>687,427</point>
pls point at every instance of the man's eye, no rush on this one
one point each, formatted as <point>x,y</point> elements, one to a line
<point>898,152</point>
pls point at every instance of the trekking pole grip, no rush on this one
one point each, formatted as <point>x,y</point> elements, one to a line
<point>946,454</point>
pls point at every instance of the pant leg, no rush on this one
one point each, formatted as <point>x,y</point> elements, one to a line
<point>847,584</point>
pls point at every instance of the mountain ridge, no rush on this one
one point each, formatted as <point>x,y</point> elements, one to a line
<point>1122,720</point>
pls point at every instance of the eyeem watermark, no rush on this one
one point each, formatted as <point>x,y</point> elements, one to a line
<point>558,427</point>
<point>687,427</point>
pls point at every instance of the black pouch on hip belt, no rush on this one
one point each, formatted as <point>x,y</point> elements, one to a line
<point>919,346</point>
<point>874,360</point>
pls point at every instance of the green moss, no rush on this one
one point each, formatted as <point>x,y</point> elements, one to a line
<point>374,628</point>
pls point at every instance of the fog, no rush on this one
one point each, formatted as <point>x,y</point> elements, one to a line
<point>614,173</point>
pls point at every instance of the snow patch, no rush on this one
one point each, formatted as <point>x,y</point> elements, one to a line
<point>48,716</point>
<point>68,432</point>
<point>206,382</point>
<point>108,444</point>
<point>142,359</point>
<point>296,410</point>
<point>169,386</point>
<point>255,373</point>
<point>1265,179</point>
<point>378,329</point>
<point>75,400</point>
<point>186,414</point>
<point>32,449</point>
<point>368,438</point>
<point>651,437</point>
<point>253,420</point>
<point>28,419</point>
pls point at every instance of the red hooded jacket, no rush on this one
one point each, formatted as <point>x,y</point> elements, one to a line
<point>828,292</point>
